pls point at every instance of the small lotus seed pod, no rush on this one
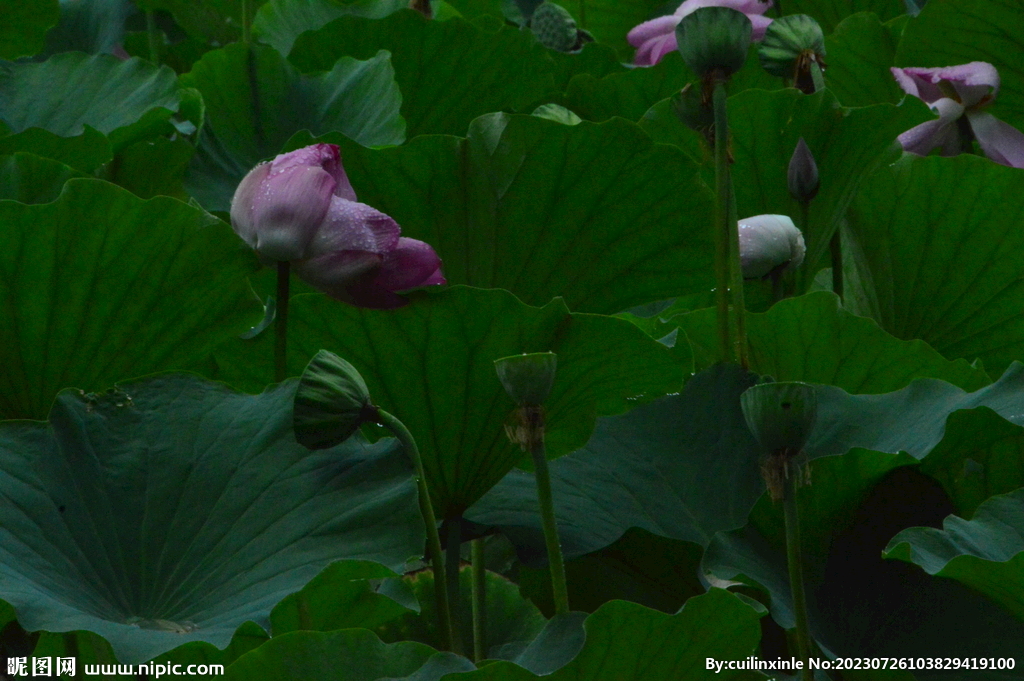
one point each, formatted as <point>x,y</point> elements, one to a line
<point>331,402</point>
<point>714,40</point>
<point>554,27</point>
<point>527,378</point>
<point>791,45</point>
<point>781,416</point>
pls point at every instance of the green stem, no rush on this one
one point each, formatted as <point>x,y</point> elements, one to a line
<point>722,268</point>
<point>796,570</point>
<point>246,21</point>
<point>479,601</point>
<point>547,512</point>
<point>835,245</point>
<point>151,35</point>
<point>444,617</point>
<point>281,322</point>
<point>725,211</point>
<point>452,560</point>
<point>817,77</point>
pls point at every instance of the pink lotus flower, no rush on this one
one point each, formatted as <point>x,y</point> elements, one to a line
<point>301,208</point>
<point>954,92</point>
<point>657,37</point>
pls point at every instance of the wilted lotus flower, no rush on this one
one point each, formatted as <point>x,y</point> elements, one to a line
<point>657,37</point>
<point>301,208</point>
<point>769,245</point>
<point>954,92</point>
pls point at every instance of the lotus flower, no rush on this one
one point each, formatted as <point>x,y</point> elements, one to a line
<point>954,92</point>
<point>301,208</point>
<point>769,245</point>
<point>657,37</point>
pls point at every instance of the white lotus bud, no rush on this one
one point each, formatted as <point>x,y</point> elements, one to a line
<point>769,244</point>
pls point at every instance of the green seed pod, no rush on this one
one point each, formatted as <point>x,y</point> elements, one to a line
<point>714,39</point>
<point>554,27</point>
<point>527,378</point>
<point>780,415</point>
<point>791,45</point>
<point>331,402</point>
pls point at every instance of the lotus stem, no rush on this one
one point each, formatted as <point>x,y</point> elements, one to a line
<point>556,564</point>
<point>479,600</point>
<point>452,563</point>
<point>281,322</point>
<point>154,50</point>
<point>444,616</point>
<point>246,21</point>
<point>796,571</point>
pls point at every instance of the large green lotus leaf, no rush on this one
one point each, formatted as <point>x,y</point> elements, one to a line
<point>25,25</point>
<point>90,26</point>
<point>344,655</point>
<point>829,13</point>
<point>211,21</point>
<point>172,509</point>
<point>812,339</point>
<point>512,622</point>
<point>153,167</point>
<point>859,54</point>
<point>340,597</point>
<point>981,455</point>
<point>985,553</point>
<point>449,72</point>
<point>99,286</point>
<point>85,152</point>
<point>255,101</point>
<point>610,20</point>
<point>122,99</point>
<point>628,642</point>
<point>859,604</point>
<point>641,567</point>
<point>684,467</point>
<point>595,213</point>
<point>28,178</point>
<point>847,144</point>
<point>431,364</point>
<point>629,93</point>
<point>279,22</point>
<point>943,266</point>
<point>947,33</point>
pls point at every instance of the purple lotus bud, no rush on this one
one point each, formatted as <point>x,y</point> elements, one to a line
<point>802,174</point>
<point>769,244</point>
<point>301,208</point>
<point>657,37</point>
<point>955,92</point>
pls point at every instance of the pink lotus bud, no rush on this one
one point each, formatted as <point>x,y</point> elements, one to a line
<point>769,244</point>
<point>301,208</point>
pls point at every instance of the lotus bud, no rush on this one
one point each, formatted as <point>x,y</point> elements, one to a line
<point>802,174</point>
<point>554,27</point>
<point>331,402</point>
<point>793,47</point>
<point>714,41</point>
<point>769,245</point>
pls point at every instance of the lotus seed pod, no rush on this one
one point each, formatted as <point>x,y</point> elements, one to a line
<point>527,378</point>
<point>769,244</point>
<point>714,40</point>
<point>781,416</point>
<point>554,27</point>
<point>791,45</point>
<point>802,174</point>
<point>331,402</point>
